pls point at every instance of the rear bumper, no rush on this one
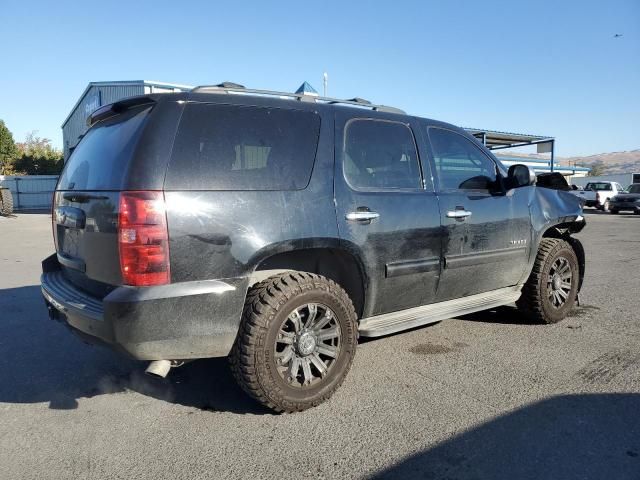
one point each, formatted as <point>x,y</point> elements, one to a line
<point>171,322</point>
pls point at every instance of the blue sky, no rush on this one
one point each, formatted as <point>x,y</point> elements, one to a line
<point>541,67</point>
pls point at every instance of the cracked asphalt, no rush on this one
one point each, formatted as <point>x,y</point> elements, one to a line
<point>484,396</point>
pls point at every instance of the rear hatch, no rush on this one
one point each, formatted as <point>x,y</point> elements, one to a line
<point>89,196</point>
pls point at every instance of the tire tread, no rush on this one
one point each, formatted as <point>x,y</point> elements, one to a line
<point>262,303</point>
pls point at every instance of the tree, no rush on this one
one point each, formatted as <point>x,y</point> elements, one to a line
<point>597,168</point>
<point>36,156</point>
<point>8,151</point>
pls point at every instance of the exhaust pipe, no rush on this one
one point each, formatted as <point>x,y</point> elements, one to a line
<point>159,368</point>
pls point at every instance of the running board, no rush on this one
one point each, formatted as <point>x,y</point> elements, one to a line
<point>423,315</point>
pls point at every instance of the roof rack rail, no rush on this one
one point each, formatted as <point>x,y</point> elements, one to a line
<point>234,88</point>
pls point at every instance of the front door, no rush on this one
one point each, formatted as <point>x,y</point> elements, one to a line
<point>486,231</point>
<point>387,214</point>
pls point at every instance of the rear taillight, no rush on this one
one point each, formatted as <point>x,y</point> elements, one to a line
<point>53,221</point>
<point>143,239</point>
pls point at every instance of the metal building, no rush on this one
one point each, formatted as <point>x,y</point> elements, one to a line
<point>102,93</point>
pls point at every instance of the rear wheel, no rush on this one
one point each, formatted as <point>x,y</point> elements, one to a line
<point>605,207</point>
<point>550,292</point>
<point>6,202</point>
<point>296,343</point>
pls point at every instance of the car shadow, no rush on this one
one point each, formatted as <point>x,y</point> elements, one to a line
<point>586,436</point>
<point>42,361</point>
<point>507,315</point>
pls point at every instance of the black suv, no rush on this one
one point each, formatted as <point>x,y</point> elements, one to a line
<point>274,228</point>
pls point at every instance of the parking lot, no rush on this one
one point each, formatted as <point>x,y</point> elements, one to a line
<point>484,396</point>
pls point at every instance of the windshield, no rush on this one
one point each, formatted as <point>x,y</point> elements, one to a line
<point>102,156</point>
<point>598,186</point>
<point>635,188</point>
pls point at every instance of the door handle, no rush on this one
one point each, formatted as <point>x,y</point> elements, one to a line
<point>459,214</point>
<point>361,216</point>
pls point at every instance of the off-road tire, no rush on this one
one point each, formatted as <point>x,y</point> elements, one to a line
<point>6,202</point>
<point>535,302</point>
<point>267,305</point>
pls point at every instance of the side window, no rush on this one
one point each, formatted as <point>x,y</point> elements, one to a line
<point>379,154</point>
<point>228,147</point>
<point>459,163</point>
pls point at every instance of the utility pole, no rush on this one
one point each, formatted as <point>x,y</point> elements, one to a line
<point>325,80</point>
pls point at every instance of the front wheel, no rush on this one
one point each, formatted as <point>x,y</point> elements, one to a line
<point>296,342</point>
<point>550,292</point>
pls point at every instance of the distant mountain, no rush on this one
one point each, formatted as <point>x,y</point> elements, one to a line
<point>614,162</point>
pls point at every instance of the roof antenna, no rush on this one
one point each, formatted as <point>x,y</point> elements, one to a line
<point>325,80</point>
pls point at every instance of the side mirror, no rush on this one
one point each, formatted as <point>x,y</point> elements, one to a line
<point>520,175</point>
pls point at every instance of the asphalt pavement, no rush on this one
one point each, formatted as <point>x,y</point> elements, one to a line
<point>483,396</point>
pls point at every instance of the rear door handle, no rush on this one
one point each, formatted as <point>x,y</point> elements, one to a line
<point>458,214</point>
<point>361,216</point>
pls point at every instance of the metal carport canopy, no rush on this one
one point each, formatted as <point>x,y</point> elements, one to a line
<point>495,140</point>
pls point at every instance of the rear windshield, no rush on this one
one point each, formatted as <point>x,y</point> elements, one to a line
<point>227,147</point>
<point>100,160</point>
<point>599,186</point>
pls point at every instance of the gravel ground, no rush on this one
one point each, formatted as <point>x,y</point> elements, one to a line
<point>484,396</point>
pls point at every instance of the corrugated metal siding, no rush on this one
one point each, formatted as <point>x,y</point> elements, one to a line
<point>30,191</point>
<point>77,124</point>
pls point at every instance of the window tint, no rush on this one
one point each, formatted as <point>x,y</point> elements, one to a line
<point>380,154</point>
<point>459,163</point>
<point>598,186</point>
<point>100,160</point>
<point>226,147</point>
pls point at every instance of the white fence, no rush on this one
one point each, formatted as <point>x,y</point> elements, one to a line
<point>30,192</point>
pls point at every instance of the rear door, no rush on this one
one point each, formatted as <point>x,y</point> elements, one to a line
<point>487,232</point>
<point>86,200</point>
<point>386,212</point>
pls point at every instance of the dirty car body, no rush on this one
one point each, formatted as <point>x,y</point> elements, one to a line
<point>163,227</point>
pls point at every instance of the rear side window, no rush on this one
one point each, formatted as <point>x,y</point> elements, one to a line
<point>379,154</point>
<point>227,147</point>
<point>100,160</point>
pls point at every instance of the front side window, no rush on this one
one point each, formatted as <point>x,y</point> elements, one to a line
<point>379,154</point>
<point>229,147</point>
<point>459,163</point>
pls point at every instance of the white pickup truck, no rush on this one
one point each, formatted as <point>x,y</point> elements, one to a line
<point>598,194</point>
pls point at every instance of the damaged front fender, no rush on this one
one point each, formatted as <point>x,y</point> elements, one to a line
<point>556,213</point>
